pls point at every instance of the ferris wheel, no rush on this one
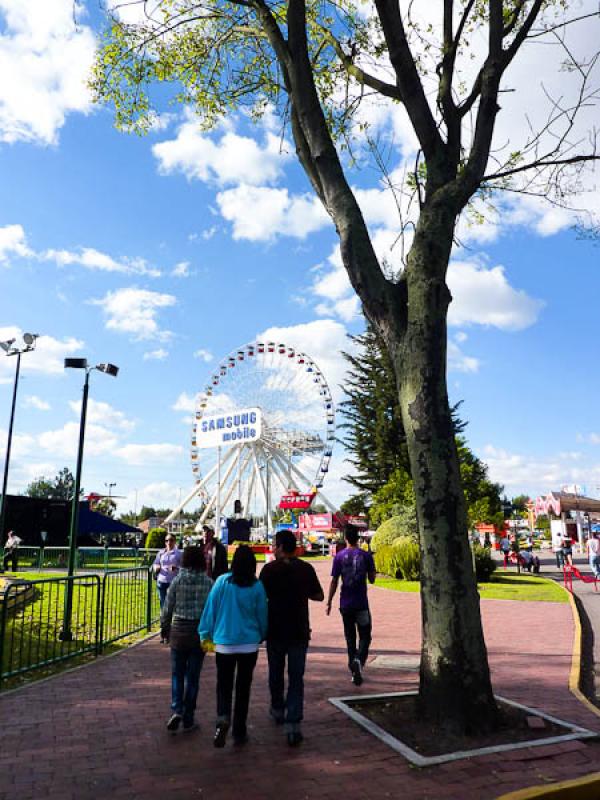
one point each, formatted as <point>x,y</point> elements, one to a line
<point>263,425</point>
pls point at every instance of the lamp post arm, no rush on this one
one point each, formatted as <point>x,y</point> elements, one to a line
<point>8,448</point>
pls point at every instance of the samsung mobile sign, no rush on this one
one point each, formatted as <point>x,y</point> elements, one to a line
<point>233,427</point>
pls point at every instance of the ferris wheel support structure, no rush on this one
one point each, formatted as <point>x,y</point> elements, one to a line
<point>281,458</point>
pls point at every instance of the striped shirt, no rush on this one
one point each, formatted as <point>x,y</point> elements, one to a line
<point>186,596</point>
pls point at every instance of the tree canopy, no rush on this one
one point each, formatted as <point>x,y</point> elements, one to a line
<point>61,487</point>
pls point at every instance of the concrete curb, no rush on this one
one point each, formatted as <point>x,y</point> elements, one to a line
<point>588,787</point>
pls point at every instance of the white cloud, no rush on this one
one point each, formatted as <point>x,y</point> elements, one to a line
<point>22,444</point>
<point>44,60</point>
<point>224,158</point>
<point>47,358</point>
<point>32,401</point>
<point>185,402</point>
<point>458,361</point>
<point>260,213</point>
<point>485,297</point>
<point>134,311</point>
<point>204,355</point>
<point>13,242</point>
<point>63,442</point>
<point>156,355</point>
<point>323,341</point>
<point>93,259</point>
<point>536,474</point>
<point>100,413</point>
<point>181,270</point>
<point>142,454</point>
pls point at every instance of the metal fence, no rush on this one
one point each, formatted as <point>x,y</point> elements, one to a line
<point>104,609</point>
<point>38,558</point>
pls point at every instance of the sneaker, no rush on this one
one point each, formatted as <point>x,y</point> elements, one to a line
<point>189,725</point>
<point>221,734</point>
<point>174,722</point>
<point>357,677</point>
<point>294,738</point>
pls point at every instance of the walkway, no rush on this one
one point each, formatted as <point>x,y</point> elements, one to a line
<point>99,732</point>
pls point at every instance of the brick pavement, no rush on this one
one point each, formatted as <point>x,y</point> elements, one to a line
<point>99,732</point>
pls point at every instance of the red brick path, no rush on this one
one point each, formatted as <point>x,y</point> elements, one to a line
<point>99,732</point>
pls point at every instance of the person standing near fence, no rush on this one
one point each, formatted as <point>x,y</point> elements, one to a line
<point>166,566</point>
<point>11,551</point>
<point>215,554</point>
<point>179,620</point>
<point>235,621</point>
<point>354,566</point>
<point>290,583</point>
<point>593,550</point>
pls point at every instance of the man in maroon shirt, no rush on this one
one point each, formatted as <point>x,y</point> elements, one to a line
<point>215,554</point>
<point>289,583</point>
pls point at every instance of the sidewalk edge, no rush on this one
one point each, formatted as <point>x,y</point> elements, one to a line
<point>575,673</point>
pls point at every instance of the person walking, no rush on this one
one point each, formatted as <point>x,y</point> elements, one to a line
<point>11,551</point>
<point>355,567</point>
<point>289,583</point>
<point>166,566</point>
<point>215,553</point>
<point>593,551</point>
<point>566,546</point>
<point>235,621</point>
<point>505,549</point>
<point>179,621</point>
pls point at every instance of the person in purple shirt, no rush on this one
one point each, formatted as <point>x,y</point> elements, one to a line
<point>354,566</point>
<point>166,566</point>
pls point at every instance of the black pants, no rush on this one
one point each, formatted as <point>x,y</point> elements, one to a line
<point>240,665</point>
<point>12,556</point>
<point>357,620</point>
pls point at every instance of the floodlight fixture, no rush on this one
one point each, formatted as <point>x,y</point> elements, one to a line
<point>29,338</point>
<point>76,363</point>
<point>7,345</point>
<point>108,369</point>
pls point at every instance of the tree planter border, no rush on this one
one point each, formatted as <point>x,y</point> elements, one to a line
<point>574,731</point>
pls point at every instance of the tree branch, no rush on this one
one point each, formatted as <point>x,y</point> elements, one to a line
<point>407,77</point>
<point>538,165</point>
<point>386,89</point>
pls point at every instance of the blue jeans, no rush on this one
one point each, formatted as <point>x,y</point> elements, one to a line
<point>288,708</point>
<point>595,564</point>
<point>185,676</point>
<point>357,620</point>
<point>163,588</point>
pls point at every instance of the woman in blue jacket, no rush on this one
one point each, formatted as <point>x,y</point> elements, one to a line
<point>235,619</point>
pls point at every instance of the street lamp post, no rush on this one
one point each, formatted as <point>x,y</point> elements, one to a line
<point>66,634</point>
<point>11,349</point>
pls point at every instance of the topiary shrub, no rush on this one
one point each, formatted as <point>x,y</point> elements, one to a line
<point>484,563</point>
<point>402,525</point>
<point>155,539</point>
<point>399,560</point>
<point>407,559</point>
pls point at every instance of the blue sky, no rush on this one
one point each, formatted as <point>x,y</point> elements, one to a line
<point>162,254</point>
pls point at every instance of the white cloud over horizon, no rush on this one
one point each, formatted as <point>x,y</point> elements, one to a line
<point>134,311</point>
<point>44,59</point>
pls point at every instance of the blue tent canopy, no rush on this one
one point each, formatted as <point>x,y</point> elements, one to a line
<point>95,524</point>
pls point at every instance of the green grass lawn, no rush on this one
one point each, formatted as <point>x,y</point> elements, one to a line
<point>501,587</point>
<point>32,637</point>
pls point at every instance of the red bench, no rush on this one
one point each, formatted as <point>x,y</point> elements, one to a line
<point>569,572</point>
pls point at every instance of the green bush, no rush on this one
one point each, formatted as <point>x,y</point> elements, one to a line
<point>155,539</point>
<point>402,525</point>
<point>407,559</point>
<point>484,563</point>
<point>399,560</point>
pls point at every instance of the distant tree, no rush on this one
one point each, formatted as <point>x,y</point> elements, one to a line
<point>371,419</point>
<point>519,503</point>
<point>146,512</point>
<point>61,487</point>
<point>106,506</point>
<point>357,504</point>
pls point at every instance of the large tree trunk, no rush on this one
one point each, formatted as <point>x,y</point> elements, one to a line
<point>455,687</point>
